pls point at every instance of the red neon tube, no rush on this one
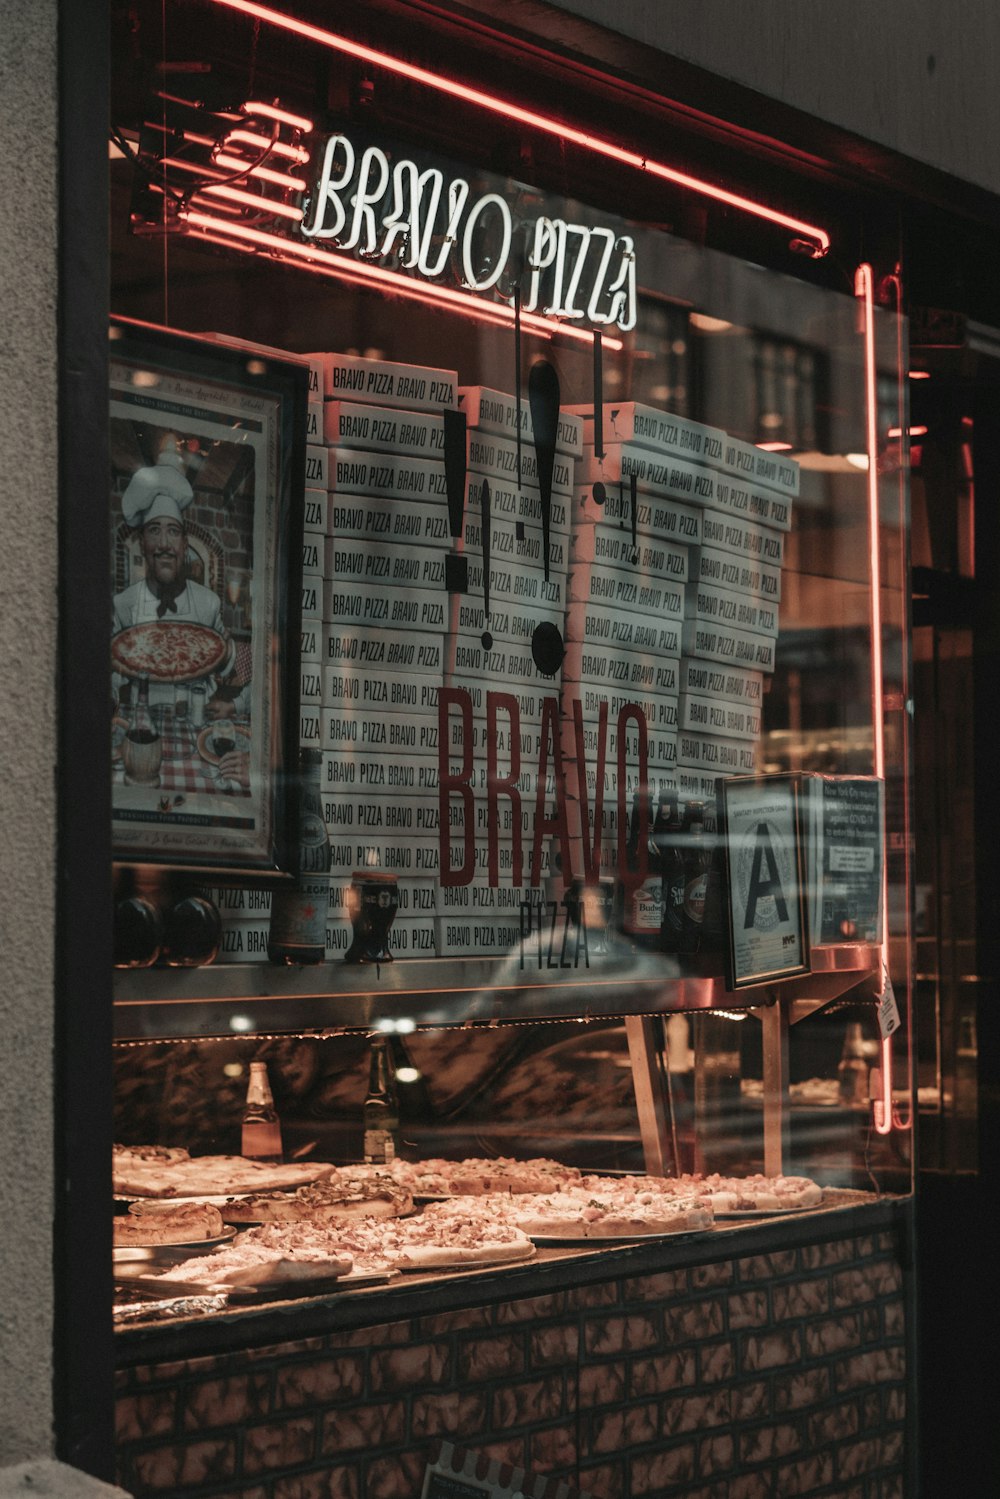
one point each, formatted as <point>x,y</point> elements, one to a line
<point>206,226</point>
<point>817,239</point>
<point>864,291</point>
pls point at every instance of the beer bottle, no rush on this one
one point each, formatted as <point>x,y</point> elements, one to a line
<point>297,931</point>
<point>643,901</point>
<point>697,858</point>
<point>671,875</point>
<point>380,1113</point>
<point>261,1140</point>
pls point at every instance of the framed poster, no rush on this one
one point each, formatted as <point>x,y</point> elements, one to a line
<point>207,472</point>
<point>767,935</point>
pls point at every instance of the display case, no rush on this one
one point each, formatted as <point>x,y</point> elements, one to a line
<point>583,574</point>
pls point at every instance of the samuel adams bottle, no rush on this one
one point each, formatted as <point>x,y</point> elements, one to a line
<point>297,933</point>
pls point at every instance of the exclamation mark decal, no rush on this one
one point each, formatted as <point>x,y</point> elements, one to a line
<point>598,396</point>
<point>543,397</point>
<point>517,373</point>
<point>485,514</point>
<point>547,647</point>
<point>456,568</point>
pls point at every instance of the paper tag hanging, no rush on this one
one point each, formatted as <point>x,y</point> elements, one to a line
<point>888,1010</point>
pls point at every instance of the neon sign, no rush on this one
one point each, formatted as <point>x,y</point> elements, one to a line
<point>397,211</point>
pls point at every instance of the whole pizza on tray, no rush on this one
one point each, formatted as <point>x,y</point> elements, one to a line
<point>168,650</point>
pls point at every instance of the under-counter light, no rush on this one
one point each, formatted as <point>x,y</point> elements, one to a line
<point>241,1024</point>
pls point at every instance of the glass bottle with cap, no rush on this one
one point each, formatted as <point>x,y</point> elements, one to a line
<point>380,1112</point>
<point>261,1135</point>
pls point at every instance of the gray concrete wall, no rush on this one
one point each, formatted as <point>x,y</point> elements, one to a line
<point>27,720</point>
<point>918,77</point>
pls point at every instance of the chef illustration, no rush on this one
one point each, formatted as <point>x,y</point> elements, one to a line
<point>153,505</point>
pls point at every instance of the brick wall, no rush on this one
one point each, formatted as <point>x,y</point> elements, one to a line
<point>765,1374</point>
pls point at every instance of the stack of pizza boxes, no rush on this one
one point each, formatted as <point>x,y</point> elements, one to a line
<point>504,693</point>
<point>384,618</point>
<point>675,581</point>
<point>731,611</point>
<point>630,561</point>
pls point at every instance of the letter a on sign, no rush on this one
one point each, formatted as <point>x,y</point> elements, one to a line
<point>764,879</point>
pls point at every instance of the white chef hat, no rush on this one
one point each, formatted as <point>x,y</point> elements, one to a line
<point>158,491</point>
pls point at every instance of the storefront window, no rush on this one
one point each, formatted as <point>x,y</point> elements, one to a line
<point>588,521</point>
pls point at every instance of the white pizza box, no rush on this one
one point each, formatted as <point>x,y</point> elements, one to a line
<point>622,669</point>
<point>371,691</point>
<point>420,817</point>
<point>386,475</point>
<point>508,738</point>
<point>659,710</point>
<point>482,899</point>
<point>622,629</point>
<point>311,642</point>
<point>508,620</point>
<point>378,521</point>
<point>383,566</point>
<point>240,902</point>
<point>496,411</point>
<point>625,589</point>
<point>349,728</point>
<point>710,642</point>
<point>375,773</point>
<point>310,684</point>
<point>733,683</point>
<point>496,458</point>
<point>243,942</point>
<point>513,503</point>
<point>314,422</point>
<point>529,697</point>
<point>597,546</point>
<point>371,816</point>
<point>706,604</point>
<point>516,541</point>
<point>312,596</point>
<point>417,651</point>
<point>725,570</point>
<point>347,377</point>
<point>311,361</point>
<point>388,607</point>
<point>317,466</point>
<point>711,752</point>
<point>747,501</point>
<point>420,858</point>
<point>409,937</point>
<point>631,738</point>
<point>674,478</point>
<point>709,715</point>
<point>697,785</point>
<point>405,856</point>
<point>645,426</point>
<point>514,584</point>
<point>312,552</point>
<point>382,429</point>
<point>505,661</point>
<point>609,506</point>
<point>309,728</point>
<point>378,774</point>
<point>485,936</point>
<point>314,512</point>
<point>757,543</point>
<point>246,941</point>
